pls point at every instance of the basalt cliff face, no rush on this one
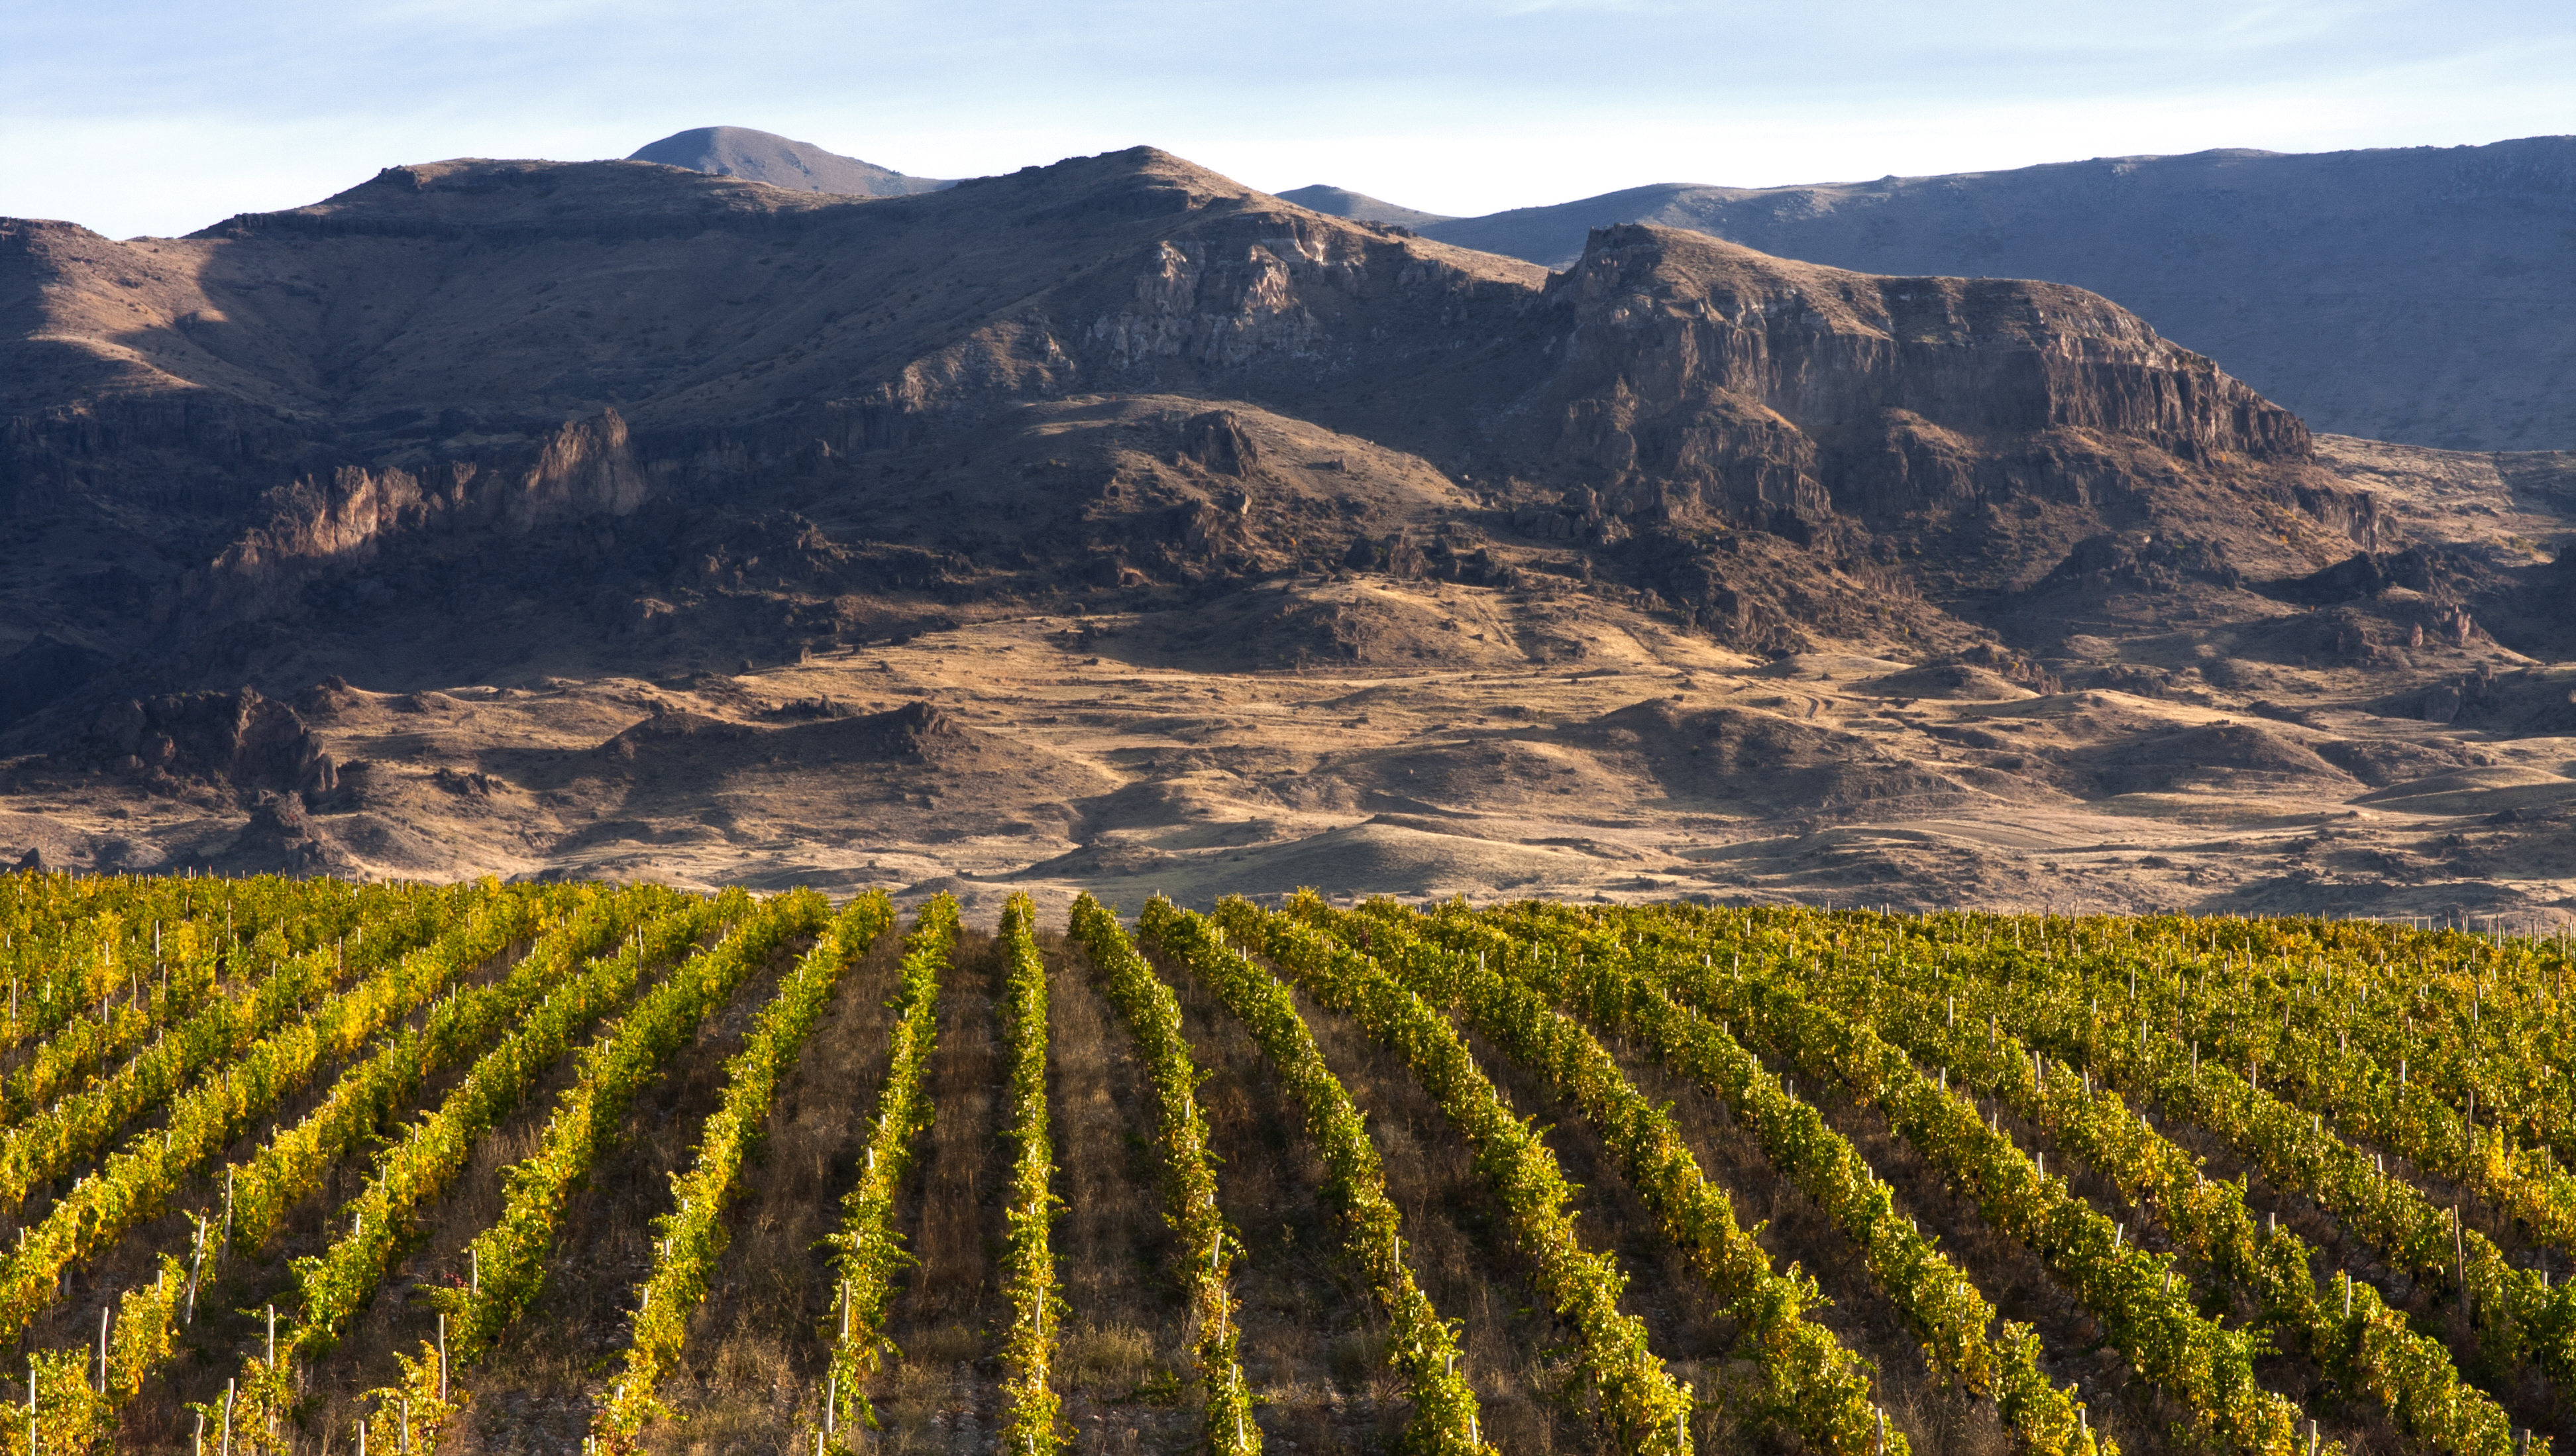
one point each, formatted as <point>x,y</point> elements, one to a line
<point>519,424</point>
<point>1759,387</point>
<point>2416,293</point>
<point>319,528</point>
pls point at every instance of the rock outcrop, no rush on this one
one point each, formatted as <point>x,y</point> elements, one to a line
<point>1717,381</point>
<point>319,527</point>
<point>239,740</point>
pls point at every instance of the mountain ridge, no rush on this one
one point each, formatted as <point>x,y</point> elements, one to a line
<point>1679,382</point>
<point>1359,207</point>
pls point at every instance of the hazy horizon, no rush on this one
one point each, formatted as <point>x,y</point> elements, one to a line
<point>147,117</point>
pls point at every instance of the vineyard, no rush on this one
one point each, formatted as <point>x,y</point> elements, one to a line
<point>306,1166</point>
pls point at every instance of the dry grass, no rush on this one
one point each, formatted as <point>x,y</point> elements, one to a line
<point>229,1322</point>
<point>534,1391</point>
<point>939,1395</point>
<point>1125,1357</point>
<point>749,1378</point>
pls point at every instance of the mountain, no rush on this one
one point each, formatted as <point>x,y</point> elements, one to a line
<point>1358,206</point>
<point>738,151</point>
<point>2419,294</point>
<point>1114,524</point>
<point>502,344</point>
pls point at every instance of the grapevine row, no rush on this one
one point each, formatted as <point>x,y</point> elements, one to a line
<point>382,1219</point>
<point>508,1260</point>
<point>137,1183</point>
<point>258,1193</point>
<point>2486,1002</point>
<point>187,967</point>
<point>74,1129</point>
<point>693,1232</point>
<point>871,1252</point>
<point>57,970</point>
<point>2518,1312</point>
<point>1153,1016</point>
<point>1815,1385</point>
<point>123,928</point>
<point>2408,1077</point>
<point>184,972</point>
<point>2365,1343</point>
<point>2399,1108</point>
<point>2420,1042</point>
<point>1032,1414</point>
<point>2202,1364</point>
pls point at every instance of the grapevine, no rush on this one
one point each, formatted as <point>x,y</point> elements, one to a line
<point>1815,1385</point>
<point>693,1232</point>
<point>871,1252</point>
<point>508,1259</point>
<point>138,1182</point>
<point>1032,1413</point>
<point>2206,1366</point>
<point>1153,1016</point>
<point>432,1152</point>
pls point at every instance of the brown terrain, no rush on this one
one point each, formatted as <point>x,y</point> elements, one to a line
<point>1113,526</point>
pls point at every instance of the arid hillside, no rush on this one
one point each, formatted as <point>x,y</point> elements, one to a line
<point>1111,524</point>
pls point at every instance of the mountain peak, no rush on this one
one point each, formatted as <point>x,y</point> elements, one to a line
<point>760,156</point>
<point>1358,206</point>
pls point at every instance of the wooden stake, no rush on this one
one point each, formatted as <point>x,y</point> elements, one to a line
<point>2460,1252</point>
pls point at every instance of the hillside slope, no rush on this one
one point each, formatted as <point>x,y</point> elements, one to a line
<point>1358,206</point>
<point>561,517</point>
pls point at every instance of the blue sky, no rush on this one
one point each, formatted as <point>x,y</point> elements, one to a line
<point>136,116</point>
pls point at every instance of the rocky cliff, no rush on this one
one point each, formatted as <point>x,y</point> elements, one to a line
<point>1712,376</point>
<point>318,528</point>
